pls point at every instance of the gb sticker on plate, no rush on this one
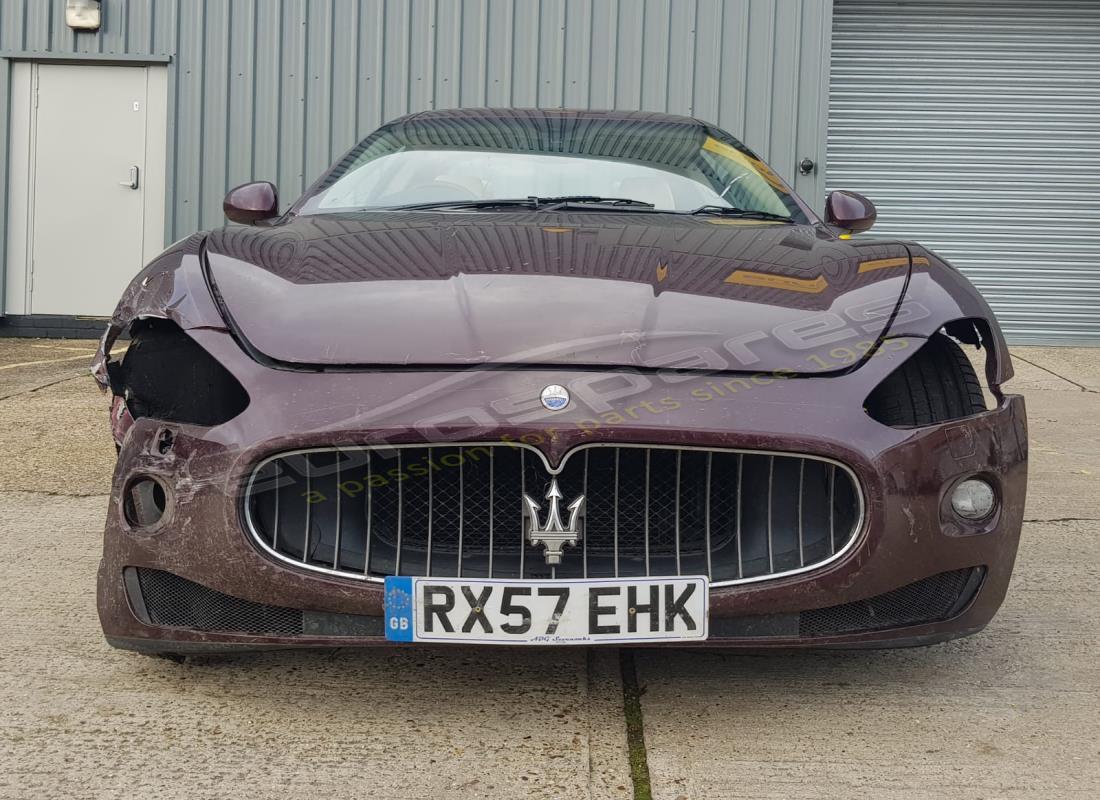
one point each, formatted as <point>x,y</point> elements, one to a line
<point>399,609</point>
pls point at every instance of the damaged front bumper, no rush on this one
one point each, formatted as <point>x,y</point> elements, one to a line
<point>909,542</point>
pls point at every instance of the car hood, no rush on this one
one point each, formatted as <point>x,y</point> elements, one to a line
<point>590,289</point>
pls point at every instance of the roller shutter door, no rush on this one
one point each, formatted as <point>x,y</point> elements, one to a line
<point>975,129</point>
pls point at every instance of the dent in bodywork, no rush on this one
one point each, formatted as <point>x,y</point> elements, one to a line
<point>958,308</point>
<point>171,287</point>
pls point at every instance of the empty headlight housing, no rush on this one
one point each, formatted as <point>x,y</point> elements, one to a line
<point>166,375</point>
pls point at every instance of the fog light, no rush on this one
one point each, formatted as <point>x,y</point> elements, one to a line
<point>144,502</point>
<point>973,499</point>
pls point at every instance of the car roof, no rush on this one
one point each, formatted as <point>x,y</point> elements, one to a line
<point>528,114</point>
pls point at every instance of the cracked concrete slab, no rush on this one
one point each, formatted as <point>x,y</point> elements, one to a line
<point>62,439</point>
<point>1064,450</point>
<point>1079,366</point>
<point>1030,376</point>
<point>26,364</point>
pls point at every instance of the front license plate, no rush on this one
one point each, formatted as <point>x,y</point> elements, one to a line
<point>546,612</point>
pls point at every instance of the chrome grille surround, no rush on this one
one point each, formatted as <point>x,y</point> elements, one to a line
<point>470,517</point>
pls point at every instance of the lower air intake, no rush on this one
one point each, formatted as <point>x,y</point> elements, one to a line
<point>179,603</point>
<point>933,599</point>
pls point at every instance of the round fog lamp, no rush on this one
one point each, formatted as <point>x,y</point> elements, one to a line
<point>973,499</point>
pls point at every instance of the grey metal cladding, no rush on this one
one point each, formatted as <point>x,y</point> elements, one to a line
<point>975,129</point>
<point>278,89</point>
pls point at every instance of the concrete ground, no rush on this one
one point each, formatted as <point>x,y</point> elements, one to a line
<point>1012,712</point>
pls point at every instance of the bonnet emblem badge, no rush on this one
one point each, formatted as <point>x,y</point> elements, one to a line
<point>554,535</point>
<point>554,397</point>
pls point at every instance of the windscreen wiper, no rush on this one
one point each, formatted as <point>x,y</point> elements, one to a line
<point>554,203</point>
<point>533,202</point>
<point>745,213</point>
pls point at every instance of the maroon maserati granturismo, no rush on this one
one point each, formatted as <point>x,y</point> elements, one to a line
<point>554,377</point>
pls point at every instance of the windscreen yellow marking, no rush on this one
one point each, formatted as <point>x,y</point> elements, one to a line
<point>752,164</point>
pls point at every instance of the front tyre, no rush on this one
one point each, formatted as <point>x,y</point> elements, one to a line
<point>937,384</point>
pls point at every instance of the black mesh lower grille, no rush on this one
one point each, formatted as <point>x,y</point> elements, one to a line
<point>179,603</point>
<point>929,600</point>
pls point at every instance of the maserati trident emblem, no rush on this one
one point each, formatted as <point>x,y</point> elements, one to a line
<point>554,535</point>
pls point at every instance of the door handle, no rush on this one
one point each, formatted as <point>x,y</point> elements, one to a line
<point>133,182</point>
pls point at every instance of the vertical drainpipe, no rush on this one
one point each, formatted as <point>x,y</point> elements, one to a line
<point>5,162</point>
<point>170,128</point>
<point>826,60</point>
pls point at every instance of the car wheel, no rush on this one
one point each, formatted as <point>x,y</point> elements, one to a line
<point>936,385</point>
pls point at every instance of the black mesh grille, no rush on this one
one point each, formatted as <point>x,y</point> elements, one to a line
<point>458,510</point>
<point>179,603</point>
<point>929,600</point>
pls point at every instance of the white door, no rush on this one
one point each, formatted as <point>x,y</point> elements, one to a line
<point>88,186</point>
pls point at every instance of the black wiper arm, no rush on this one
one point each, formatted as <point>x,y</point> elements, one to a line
<point>498,203</point>
<point>553,203</point>
<point>747,213</point>
<point>534,203</point>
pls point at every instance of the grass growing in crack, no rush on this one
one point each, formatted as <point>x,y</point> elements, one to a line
<point>635,730</point>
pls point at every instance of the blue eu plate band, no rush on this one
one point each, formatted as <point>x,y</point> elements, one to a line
<point>399,608</point>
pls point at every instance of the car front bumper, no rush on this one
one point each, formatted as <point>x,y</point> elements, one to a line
<point>908,535</point>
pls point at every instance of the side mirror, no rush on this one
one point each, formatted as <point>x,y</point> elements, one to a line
<point>251,203</point>
<point>850,211</point>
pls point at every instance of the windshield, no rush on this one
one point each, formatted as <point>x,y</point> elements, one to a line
<point>674,164</point>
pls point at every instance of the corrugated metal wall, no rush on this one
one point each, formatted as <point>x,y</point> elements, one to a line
<point>975,128</point>
<point>277,89</point>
